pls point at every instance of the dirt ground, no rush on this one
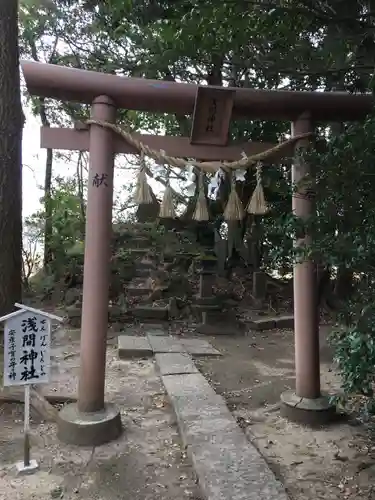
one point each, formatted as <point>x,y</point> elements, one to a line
<point>146,463</point>
<point>333,463</point>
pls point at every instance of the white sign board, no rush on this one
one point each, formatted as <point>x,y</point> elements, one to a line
<point>27,340</point>
<point>27,360</point>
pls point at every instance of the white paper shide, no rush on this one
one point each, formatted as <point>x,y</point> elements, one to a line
<point>27,339</point>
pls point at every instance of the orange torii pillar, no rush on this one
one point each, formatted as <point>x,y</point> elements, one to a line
<point>306,404</point>
<point>91,421</point>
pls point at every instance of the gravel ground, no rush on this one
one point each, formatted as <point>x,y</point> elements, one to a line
<point>146,463</point>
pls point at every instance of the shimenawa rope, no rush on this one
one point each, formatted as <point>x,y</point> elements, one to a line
<point>162,157</point>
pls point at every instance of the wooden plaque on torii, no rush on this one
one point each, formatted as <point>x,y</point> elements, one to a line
<point>212,115</point>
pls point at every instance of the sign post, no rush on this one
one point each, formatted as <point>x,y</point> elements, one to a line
<point>26,428</point>
<point>27,361</point>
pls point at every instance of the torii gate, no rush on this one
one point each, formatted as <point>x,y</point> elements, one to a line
<point>91,421</point>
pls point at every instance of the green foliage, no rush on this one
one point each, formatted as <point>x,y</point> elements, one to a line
<point>297,44</point>
<point>67,223</point>
<point>345,235</point>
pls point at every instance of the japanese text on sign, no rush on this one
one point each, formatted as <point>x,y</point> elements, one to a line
<point>100,180</point>
<point>211,116</point>
<point>26,349</point>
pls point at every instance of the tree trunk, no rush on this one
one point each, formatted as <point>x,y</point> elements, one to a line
<point>80,193</point>
<point>11,123</point>
<point>48,228</point>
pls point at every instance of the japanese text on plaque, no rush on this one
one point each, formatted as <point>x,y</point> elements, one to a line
<point>27,349</point>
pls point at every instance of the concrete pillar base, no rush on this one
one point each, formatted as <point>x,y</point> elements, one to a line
<point>311,412</point>
<point>88,429</point>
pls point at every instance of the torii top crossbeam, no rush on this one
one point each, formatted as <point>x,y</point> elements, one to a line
<point>68,84</point>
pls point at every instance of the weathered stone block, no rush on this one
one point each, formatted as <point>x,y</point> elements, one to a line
<point>228,466</point>
<point>148,312</point>
<point>199,347</point>
<point>157,330</point>
<point>115,312</point>
<point>165,344</point>
<point>206,301</point>
<point>74,316</point>
<point>73,312</point>
<point>175,363</point>
<point>218,329</point>
<point>142,272</point>
<point>145,264</point>
<point>272,322</point>
<point>259,285</point>
<point>261,324</point>
<point>138,291</point>
<point>130,346</point>
<point>285,321</point>
<point>140,242</point>
<point>139,252</point>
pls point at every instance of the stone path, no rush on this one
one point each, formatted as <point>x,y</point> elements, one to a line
<point>131,346</point>
<point>228,466</point>
<point>272,322</point>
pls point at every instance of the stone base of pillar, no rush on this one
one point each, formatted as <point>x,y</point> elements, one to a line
<point>88,429</point>
<point>311,412</point>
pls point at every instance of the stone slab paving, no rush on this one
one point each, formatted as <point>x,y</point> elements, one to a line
<point>199,347</point>
<point>131,346</point>
<point>228,466</point>
<point>175,363</point>
<point>155,330</point>
<point>165,344</point>
<point>272,322</point>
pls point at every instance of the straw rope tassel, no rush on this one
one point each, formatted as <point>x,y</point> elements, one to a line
<point>234,209</point>
<point>201,208</point>
<point>143,192</point>
<point>257,204</point>
<point>167,210</point>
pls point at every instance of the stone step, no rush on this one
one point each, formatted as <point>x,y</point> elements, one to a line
<point>171,344</point>
<point>75,313</point>
<point>155,329</point>
<point>142,272</point>
<point>157,342</point>
<point>206,307</point>
<point>131,346</point>
<point>145,264</point>
<point>134,243</point>
<point>139,252</point>
<point>144,312</point>
<point>139,288</point>
<point>225,329</point>
<point>272,322</point>
<point>140,243</point>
